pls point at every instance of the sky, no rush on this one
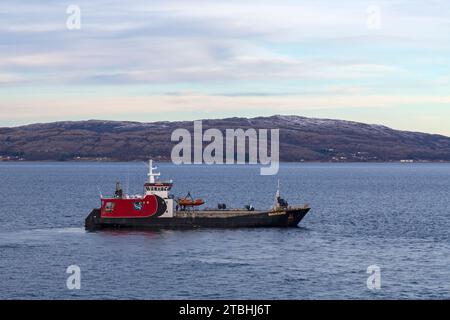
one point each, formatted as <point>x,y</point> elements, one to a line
<point>382,62</point>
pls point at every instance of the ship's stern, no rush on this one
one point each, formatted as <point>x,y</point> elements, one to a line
<point>92,221</point>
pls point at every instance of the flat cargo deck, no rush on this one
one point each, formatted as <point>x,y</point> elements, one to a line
<point>287,217</point>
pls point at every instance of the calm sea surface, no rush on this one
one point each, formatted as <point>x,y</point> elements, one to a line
<point>395,216</point>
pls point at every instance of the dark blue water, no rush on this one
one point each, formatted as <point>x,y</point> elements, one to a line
<point>391,215</point>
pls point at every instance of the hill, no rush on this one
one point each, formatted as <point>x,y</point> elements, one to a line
<point>301,139</point>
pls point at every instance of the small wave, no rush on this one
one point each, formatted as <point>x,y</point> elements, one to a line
<point>71,230</point>
<point>220,262</point>
<point>23,236</point>
<point>44,231</point>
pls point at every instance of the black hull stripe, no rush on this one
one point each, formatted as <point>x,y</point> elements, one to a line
<point>289,219</point>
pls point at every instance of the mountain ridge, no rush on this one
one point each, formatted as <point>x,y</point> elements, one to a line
<point>301,139</point>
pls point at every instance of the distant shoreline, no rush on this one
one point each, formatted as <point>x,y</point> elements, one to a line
<point>192,164</point>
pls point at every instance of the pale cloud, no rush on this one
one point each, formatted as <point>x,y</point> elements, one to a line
<point>180,41</point>
<point>148,106</point>
<point>7,78</point>
<point>35,60</point>
<point>295,55</point>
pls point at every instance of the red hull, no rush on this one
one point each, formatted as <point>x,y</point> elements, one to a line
<point>145,207</point>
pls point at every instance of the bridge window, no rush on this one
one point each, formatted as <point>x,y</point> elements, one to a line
<point>109,206</point>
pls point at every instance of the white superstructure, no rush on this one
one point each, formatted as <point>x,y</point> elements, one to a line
<point>160,188</point>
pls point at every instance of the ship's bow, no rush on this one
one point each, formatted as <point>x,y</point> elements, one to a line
<point>294,216</point>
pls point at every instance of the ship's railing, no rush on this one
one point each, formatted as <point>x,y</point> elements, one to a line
<point>125,196</point>
<point>278,209</point>
<point>305,206</point>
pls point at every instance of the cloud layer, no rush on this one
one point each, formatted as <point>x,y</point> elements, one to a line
<point>144,59</point>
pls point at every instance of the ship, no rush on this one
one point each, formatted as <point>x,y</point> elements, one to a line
<point>157,208</point>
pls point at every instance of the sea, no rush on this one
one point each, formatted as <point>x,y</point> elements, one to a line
<point>375,231</point>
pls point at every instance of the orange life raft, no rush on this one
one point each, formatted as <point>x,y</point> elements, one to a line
<point>190,202</point>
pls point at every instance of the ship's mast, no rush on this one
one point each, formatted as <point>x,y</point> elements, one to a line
<point>277,195</point>
<point>151,175</point>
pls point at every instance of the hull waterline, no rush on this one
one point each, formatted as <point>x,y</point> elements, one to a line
<point>202,219</point>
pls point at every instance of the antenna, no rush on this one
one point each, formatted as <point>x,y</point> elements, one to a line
<point>278,189</point>
<point>98,188</point>
<point>151,175</point>
<point>277,195</point>
<point>128,181</point>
